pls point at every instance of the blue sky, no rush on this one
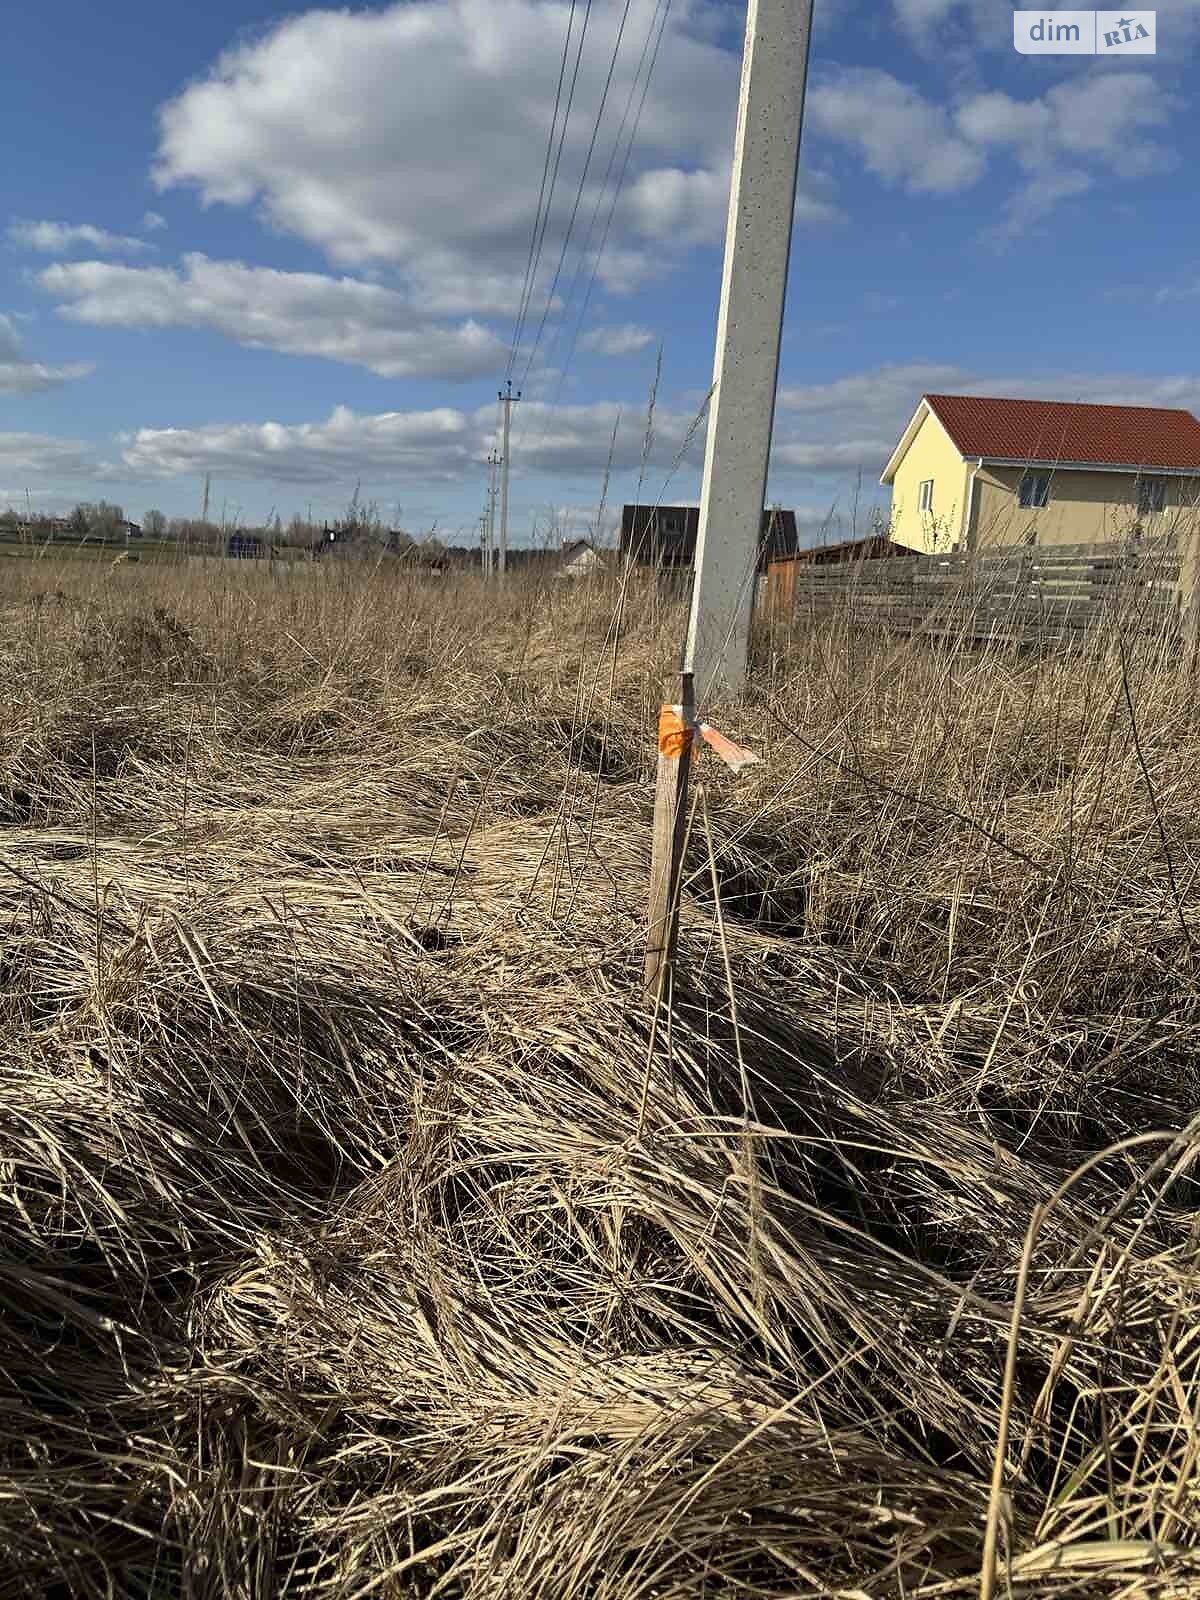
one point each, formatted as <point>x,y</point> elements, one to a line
<point>287,247</point>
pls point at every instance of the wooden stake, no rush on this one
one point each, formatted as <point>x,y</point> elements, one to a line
<point>666,862</point>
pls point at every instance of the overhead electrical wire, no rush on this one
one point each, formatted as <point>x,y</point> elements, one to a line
<point>535,261</point>
<point>655,32</point>
<point>582,184</point>
<point>578,328</point>
<point>523,304</point>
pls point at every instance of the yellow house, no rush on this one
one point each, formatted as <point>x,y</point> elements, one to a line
<point>970,472</point>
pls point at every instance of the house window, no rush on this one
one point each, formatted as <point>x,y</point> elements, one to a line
<point>1151,495</point>
<point>925,495</point>
<point>1034,490</point>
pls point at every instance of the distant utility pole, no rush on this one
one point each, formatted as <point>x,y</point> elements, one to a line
<point>508,400</point>
<point>204,507</point>
<point>494,460</point>
<point>758,239</point>
<point>483,543</point>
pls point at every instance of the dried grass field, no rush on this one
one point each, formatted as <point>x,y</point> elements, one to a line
<point>365,1231</point>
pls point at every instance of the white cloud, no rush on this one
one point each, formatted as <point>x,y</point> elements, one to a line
<point>1036,200</point>
<point>443,445</point>
<point>394,445</point>
<point>923,13</point>
<point>1083,118</point>
<point>903,138</point>
<point>833,455</point>
<point>1064,140</point>
<point>60,238</point>
<point>880,392</point>
<point>670,203</point>
<point>825,434</point>
<point>1078,121</point>
<point>19,375</point>
<point>413,136</point>
<point>297,313</point>
<point>1189,290</point>
<point>625,340</point>
<point>153,220</point>
<point>41,456</point>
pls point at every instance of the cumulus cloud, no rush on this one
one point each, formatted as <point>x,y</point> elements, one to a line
<point>1065,139</point>
<point>395,445</point>
<point>625,340</point>
<point>1065,136</point>
<point>825,433</point>
<point>1096,116</point>
<point>297,313</point>
<point>38,455</point>
<point>413,136</point>
<point>61,238</point>
<point>19,375</point>
<point>903,138</point>
<point>443,445</point>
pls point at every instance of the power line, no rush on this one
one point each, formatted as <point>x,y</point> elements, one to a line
<point>562,255</point>
<point>529,265</point>
<point>599,256</point>
<point>663,7</point>
<point>562,137</point>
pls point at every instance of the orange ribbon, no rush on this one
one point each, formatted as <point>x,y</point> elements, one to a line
<point>674,735</point>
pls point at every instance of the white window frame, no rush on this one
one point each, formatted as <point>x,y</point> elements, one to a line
<point>925,497</point>
<point>1039,492</point>
<point>1157,487</point>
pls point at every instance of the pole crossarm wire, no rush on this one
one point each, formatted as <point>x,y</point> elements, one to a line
<point>507,400</point>
<point>758,241</point>
<point>489,559</point>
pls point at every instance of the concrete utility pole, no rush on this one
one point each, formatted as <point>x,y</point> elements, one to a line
<point>493,462</point>
<point>758,239</point>
<point>508,400</point>
<point>762,201</point>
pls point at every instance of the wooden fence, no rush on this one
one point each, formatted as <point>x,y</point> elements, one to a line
<point>1023,594</point>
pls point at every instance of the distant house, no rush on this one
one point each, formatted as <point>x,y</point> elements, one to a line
<point>869,548</point>
<point>579,559</point>
<point>665,536</point>
<point>970,472</point>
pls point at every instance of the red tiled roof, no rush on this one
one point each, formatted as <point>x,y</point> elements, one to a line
<point>1066,431</point>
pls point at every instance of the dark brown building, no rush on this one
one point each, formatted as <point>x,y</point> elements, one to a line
<point>871,547</point>
<point>665,536</point>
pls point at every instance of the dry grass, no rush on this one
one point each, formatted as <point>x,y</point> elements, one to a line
<point>340,1257</point>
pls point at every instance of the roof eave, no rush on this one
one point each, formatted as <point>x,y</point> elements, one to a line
<point>906,438</point>
<point>1090,466</point>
